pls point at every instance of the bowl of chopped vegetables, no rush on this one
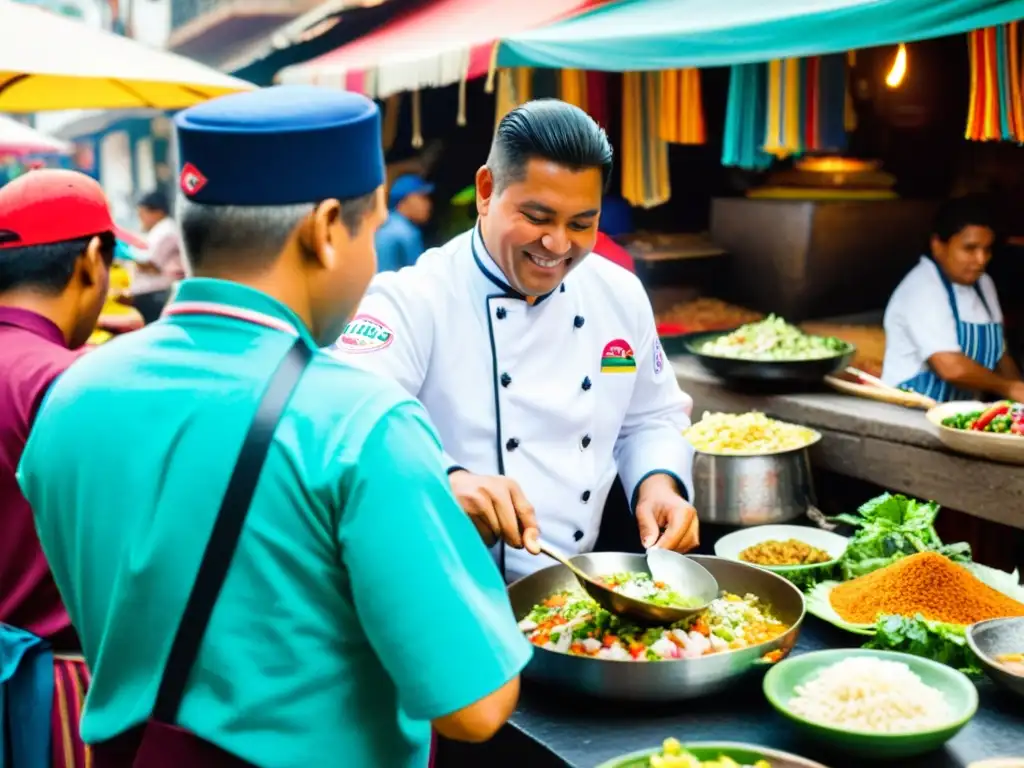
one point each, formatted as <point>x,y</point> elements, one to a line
<point>993,431</point>
<point>673,754</point>
<point>770,350</point>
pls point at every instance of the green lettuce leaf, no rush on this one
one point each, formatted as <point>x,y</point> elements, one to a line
<point>945,643</point>
<point>884,508</point>
<point>818,604</point>
<point>1007,583</point>
<point>805,579</point>
<point>889,527</point>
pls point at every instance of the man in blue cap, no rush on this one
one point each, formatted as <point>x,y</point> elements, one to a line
<point>400,240</point>
<point>349,559</point>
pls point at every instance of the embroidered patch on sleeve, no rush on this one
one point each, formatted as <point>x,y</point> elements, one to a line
<point>658,356</point>
<point>365,333</point>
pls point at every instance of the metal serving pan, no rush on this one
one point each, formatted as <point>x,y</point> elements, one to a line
<point>674,680</point>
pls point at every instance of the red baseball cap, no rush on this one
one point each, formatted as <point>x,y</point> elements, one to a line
<point>53,206</point>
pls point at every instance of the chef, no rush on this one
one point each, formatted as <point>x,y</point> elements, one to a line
<point>943,325</point>
<point>539,366</point>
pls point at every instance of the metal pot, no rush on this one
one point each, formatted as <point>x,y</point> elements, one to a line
<point>673,680</point>
<point>753,490</point>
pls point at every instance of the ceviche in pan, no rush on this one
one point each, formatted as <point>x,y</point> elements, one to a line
<point>571,622</point>
<point>641,586</point>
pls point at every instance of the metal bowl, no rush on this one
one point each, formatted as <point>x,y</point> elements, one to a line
<point>739,369</point>
<point>674,680</point>
<point>995,637</point>
<point>753,490</point>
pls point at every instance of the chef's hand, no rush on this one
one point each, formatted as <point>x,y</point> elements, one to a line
<point>498,509</point>
<point>666,520</point>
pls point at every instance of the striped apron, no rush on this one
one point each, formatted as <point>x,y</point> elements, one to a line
<point>70,684</point>
<point>981,342</point>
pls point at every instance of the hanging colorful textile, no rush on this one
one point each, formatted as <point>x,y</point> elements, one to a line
<point>572,87</point>
<point>995,109</point>
<point>515,86</point>
<point>745,115</point>
<point>546,83</point>
<point>849,110</point>
<point>682,111</point>
<point>782,136</point>
<point>645,174</point>
<point>835,116</point>
<point>597,96</point>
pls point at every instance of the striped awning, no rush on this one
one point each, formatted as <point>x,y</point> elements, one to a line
<point>435,45</point>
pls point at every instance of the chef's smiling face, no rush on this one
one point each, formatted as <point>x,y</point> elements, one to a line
<point>541,226</point>
<point>966,254</point>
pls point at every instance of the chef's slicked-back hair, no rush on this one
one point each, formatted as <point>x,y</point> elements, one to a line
<point>547,129</point>
<point>958,213</point>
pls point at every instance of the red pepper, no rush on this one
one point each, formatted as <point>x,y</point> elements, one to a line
<point>986,418</point>
<point>1017,428</point>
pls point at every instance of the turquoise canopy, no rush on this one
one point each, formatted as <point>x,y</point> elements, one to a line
<point>640,35</point>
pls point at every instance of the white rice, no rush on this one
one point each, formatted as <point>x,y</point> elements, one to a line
<point>869,694</point>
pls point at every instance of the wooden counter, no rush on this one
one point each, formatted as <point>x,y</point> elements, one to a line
<point>886,445</point>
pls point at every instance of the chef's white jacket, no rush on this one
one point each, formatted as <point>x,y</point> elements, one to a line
<point>560,396</point>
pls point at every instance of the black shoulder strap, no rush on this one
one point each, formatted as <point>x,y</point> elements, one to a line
<point>213,568</point>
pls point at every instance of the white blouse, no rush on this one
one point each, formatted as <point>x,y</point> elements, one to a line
<point>919,321</point>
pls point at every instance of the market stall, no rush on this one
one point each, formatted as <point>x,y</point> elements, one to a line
<point>80,67</point>
<point>674,34</point>
<point>19,140</point>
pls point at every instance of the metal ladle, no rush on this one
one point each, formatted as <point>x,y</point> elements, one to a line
<point>681,573</point>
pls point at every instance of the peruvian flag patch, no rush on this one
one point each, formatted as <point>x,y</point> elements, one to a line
<point>191,180</point>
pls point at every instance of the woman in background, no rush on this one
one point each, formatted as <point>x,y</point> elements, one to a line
<point>943,324</point>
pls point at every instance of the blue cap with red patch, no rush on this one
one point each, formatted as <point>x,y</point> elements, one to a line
<point>283,145</point>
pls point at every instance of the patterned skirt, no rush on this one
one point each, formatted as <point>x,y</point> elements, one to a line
<point>70,684</point>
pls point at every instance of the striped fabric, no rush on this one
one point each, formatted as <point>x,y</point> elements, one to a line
<point>515,87</point>
<point>645,172</point>
<point>682,110</point>
<point>995,108</point>
<point>70,684</point>
<point>573,87</point>
<point>745,118</point>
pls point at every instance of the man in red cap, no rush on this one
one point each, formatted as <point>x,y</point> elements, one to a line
<point>56,246</point>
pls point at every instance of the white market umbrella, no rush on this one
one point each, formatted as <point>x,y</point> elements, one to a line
<point>48,62</point>
<point>19,139</point>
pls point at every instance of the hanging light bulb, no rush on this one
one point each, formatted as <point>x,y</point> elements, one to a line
<point>899,68</point>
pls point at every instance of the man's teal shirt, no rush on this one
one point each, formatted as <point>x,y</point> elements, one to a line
<point>361,603</point>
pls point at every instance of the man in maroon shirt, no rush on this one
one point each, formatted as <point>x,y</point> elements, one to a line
<point>56,246</point>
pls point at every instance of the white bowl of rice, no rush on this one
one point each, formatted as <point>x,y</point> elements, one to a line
<point>875,704</point>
